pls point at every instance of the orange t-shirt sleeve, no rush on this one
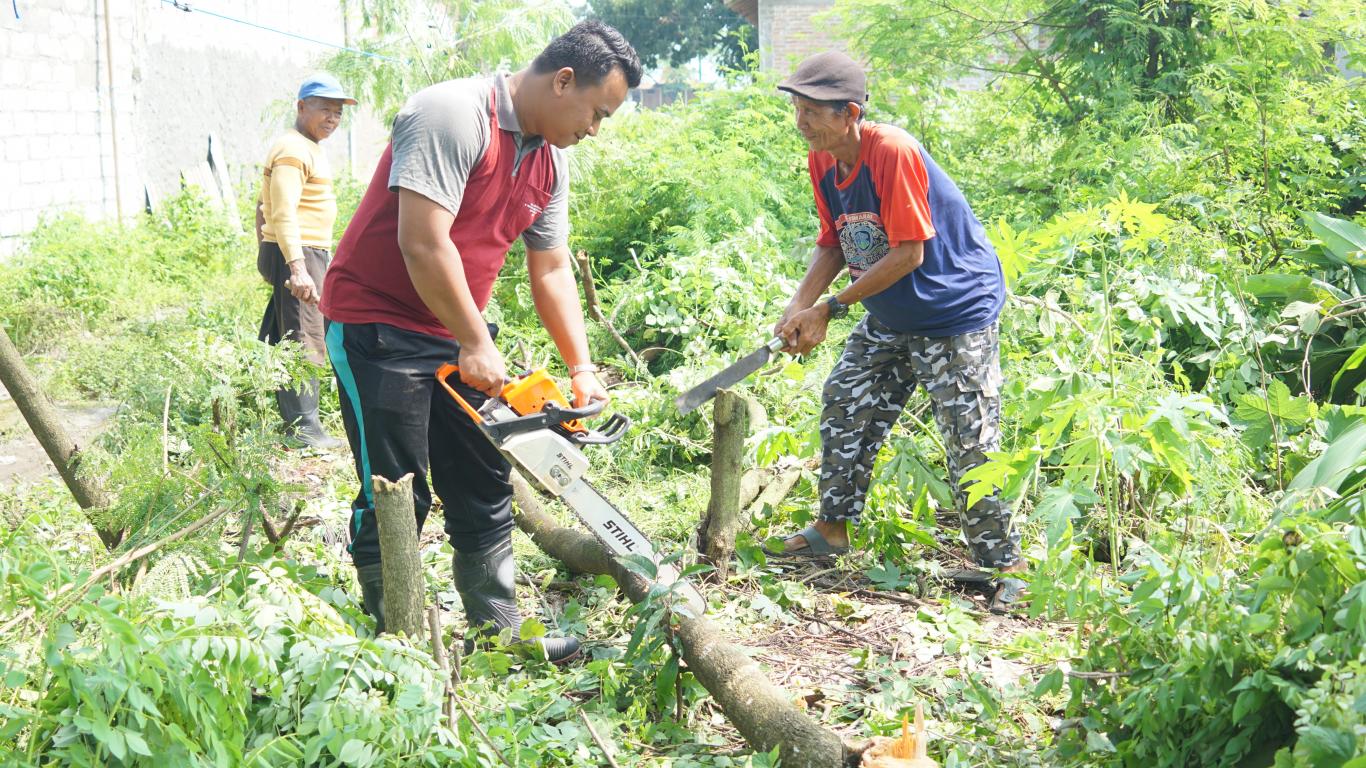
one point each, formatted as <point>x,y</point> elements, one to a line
<point>827,236</point>
<point>903,184</point>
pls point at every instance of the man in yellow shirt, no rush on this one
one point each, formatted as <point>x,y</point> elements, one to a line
<point>294,231</point>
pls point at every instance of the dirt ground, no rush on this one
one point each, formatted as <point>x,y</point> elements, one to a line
<point>22,459</point>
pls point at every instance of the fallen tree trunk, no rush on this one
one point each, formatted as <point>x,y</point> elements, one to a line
<point>46,424</point>
<point>400,563</point>
<point>766,715</point>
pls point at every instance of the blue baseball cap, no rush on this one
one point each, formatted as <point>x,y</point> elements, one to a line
<point>324,86</point>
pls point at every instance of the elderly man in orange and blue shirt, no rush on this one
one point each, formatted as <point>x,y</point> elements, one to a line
<point>921,264</point>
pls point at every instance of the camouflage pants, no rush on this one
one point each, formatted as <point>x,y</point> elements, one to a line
<point>865,394</point>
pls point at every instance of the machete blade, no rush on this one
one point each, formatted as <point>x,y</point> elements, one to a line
<point>730,376</point>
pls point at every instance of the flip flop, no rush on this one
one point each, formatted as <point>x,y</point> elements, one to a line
<point>816,546</point>
<point>1006,592</point>
<point>970,576</point>
<point>1009,593</point>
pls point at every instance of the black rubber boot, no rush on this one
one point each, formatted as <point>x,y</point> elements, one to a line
<point>372,593</point>
<point>299,410</point>
<point>486,581</point>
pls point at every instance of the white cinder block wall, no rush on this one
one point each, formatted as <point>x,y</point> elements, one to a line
<point>94,109</point>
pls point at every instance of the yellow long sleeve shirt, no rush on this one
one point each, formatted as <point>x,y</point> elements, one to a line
<point>297,202</point>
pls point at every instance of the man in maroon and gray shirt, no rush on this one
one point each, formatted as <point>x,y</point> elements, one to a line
<point>473,165</point>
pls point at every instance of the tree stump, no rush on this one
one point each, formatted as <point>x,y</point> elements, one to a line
<point>716,537</point>
<point>401,565</point>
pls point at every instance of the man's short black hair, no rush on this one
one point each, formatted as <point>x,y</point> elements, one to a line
<point>592,49</point>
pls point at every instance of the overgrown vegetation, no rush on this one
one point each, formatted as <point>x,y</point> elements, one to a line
<point>1176,194</point>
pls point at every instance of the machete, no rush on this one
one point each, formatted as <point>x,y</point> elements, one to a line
<point>734,374</point>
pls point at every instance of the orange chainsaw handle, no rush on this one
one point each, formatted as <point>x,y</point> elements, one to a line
<point>442,374</point>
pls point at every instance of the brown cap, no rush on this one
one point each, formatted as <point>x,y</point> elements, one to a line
<point>829,76</point>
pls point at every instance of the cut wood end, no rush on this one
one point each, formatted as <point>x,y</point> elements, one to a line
<point>383,485</point>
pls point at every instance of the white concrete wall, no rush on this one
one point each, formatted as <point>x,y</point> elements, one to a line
<point>177,76</point>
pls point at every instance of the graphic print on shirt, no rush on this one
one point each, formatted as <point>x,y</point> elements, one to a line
<point>863,240</point>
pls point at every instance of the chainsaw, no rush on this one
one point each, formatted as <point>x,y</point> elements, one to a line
<point>533,424</point>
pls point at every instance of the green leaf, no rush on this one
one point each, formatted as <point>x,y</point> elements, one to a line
<point>1098,742</point>
<point>1247,701</point>
<point>1345,240</point>
<point>1352,363</point>
<point>532,628</point>
<point>352,752</point>
<point>665,683</point>
<point>1344,244</point>
<point>1012,249</point>
<point>1049,683</point>
<point>136,743</point>
<point>640,565</point>
<point>1275,582</point>
<point>1279,402</point>
<point>887,576</point>
<point>115,742</point>
<point>1340,459</point>
<point>1258,623</point>
<point>1328,747</point>
<point>1058,507</point>
<point>1281,287</point>
<point>985,479</point>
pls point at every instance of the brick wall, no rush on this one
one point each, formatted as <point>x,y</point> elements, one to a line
<point>790,30</point>
<point>73,137</point>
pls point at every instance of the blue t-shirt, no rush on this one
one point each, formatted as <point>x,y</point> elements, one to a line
<point>897,193</point>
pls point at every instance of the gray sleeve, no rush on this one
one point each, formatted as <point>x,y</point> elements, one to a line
<point>439,137</point>
<point>551,228</point>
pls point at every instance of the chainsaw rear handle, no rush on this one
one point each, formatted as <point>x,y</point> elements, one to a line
<point>551,416</point>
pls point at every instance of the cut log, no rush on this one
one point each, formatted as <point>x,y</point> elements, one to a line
<point>764,713</point>
<point>775,491</point>
<point>716,539</point>
<point>46,424</point>
<point>752,483</point>
<point>401,565</point>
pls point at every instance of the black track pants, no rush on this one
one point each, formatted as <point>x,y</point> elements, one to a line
<point>399,419</point>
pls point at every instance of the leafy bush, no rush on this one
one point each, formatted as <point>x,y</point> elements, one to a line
<point>671,182</point>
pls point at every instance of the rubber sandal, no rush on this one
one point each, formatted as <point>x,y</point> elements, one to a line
<point>816,546</point>
<point>1009,593</point>
<point>970,576</point>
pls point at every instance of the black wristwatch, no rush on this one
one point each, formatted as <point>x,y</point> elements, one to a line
<point>837,310</point>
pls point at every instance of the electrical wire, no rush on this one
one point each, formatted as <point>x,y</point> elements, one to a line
<point>182,5</point>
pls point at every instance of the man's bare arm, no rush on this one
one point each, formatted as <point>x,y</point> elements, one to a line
<point>438,274</point>
<point>556,294</point>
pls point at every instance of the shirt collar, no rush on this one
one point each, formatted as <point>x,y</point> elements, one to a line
<point>507,115</point>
